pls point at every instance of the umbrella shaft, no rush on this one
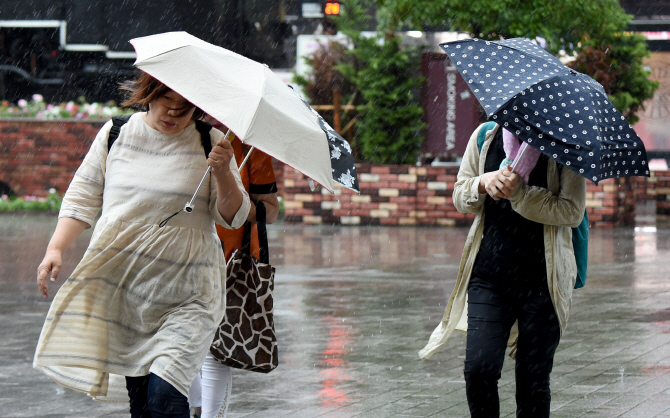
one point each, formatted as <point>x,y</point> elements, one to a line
<point>209,169</point>
<point>522,150</point>
<point>245,158</point>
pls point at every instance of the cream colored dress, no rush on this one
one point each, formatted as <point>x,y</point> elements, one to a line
<point>143,299</point>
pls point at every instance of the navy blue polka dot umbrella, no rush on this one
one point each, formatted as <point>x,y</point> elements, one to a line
<point>561,112</point>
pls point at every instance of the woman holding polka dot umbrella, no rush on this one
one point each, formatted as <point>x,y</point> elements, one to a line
<point>518,264</point>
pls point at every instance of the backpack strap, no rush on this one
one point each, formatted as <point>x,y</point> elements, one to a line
<point>205,139</point>
<point>580,244</point>
<point>117,123</point>
<point>481,136</point>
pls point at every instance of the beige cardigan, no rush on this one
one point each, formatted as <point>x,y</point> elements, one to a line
<point>559,208</point>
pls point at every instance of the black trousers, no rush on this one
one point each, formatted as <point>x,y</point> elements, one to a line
<point>152,397</point>
<point>492,311</point>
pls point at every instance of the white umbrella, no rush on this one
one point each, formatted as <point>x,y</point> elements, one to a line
<point>244,95</point>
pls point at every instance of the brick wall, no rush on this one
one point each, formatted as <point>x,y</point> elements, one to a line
<point>409,195</point>
<point>390,195</point>
<point>660,181</point>
<point>643,187</point>
<point>611,202</point>
<point>37,155</point>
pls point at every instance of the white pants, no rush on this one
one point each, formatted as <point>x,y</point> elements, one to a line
<point>212,391</point>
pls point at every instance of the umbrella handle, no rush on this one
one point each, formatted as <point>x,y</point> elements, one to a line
<point>188,208</point>
<point>522,150</point>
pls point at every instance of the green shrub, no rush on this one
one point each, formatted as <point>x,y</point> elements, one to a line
<point>390,129</point>
<point>37,108</point>
<point>50,203</point>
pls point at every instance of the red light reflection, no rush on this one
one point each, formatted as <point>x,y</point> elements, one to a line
<point>334,372</point>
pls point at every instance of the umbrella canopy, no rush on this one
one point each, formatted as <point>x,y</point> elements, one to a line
<point>341,159</point>
<point>561,112</point>
<point>244,95</point>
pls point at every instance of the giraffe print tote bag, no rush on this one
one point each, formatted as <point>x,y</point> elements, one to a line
<point>246,337</point>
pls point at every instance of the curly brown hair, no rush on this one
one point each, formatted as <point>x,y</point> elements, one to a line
<point>144,90</point>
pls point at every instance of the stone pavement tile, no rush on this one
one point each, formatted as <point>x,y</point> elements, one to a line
<point>595,368</point>
<point>624,402</point>
<point>265,413</point>
<point>642,347</point>
<point>621,357</point>
<point>424,409</point>
<point>392,408</point>
<point>571,354</point>
<point>428,409</point>
<point>651,407</point>
<point>657,385</point>
<point>347,412</point>
<point>32,402</point>
<point>445,392</point>
<point>566,364</point>
<point>600,380</point>
<point>441,398</point>
<point>583,404</point>
<point>600,412</point>
<point>120,414</point>
<point>631,384</point>
<point>380,400</point>
<point>460,410</point>
<point>309,412</point>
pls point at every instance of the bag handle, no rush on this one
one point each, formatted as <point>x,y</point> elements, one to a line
<point>264,255</point>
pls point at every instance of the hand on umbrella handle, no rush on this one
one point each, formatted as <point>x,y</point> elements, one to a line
<point>219,158</point>
<point>499,184</point>
<point>188,208</point>
<point>513,178</point>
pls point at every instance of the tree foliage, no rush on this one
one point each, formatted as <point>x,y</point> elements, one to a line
<point>386,74</point>
<point>387,78</point>
<point>325,76</point>
<point>595,30</point>
<point>616,63</point>
<point>390,129</point>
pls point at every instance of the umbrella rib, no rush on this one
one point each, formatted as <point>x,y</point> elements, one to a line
<point>158,55</point>
<point>253,119</point>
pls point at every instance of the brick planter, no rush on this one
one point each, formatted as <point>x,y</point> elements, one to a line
<point>37,155</point>
<point>611,203</point>
<point>660,189</point>
<point>390,195</point>
<point>409,195</point>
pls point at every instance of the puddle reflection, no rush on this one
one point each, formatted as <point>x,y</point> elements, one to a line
<point>334,372</point>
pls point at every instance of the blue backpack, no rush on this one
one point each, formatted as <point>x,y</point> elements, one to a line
<point>580,234</point>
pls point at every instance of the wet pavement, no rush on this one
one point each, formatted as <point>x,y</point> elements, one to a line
<point>353,306</point>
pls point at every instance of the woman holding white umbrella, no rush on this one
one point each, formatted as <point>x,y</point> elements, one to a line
<point>136,316</point>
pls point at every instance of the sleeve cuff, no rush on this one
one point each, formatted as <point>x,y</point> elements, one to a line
<point>74,214</point>
<point>239,218</point>
<point>474,195</point>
